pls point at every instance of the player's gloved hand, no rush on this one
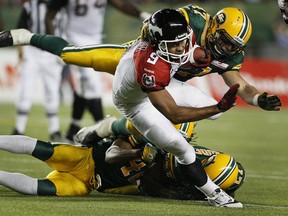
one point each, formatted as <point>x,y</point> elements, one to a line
<point>270,103</point>
<point>228,99</point>
<point>149,153</point>
<point>200,57</point>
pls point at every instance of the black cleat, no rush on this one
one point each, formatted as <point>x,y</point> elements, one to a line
<point>16,132</point>
<point>56,137</point>
<point>72,131</point>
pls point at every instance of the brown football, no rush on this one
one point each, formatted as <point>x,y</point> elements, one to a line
<point>202,59</point>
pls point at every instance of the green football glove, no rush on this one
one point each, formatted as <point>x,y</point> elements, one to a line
<point>149,153</point>
<point>270,103</point>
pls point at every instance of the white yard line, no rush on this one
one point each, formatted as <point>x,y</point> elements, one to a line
<point>265,206</point>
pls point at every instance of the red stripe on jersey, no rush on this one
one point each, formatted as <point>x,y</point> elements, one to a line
<point>152,72</point>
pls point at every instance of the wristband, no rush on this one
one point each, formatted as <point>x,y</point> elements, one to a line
<point>255,100</point>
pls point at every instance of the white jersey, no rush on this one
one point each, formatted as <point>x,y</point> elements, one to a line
<point>125,87</point>
<point>86,21</point>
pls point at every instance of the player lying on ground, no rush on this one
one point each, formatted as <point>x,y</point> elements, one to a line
<point>164,178</point>
<point>119,167</point>
<point>170,177</point>
<point>222,35</point>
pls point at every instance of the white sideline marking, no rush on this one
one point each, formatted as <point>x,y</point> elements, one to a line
<point>266,206</point>
<point>268,177</point>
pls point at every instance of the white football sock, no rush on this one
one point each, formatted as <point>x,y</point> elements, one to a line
<point>19,182</point>
<point>209,187</point>
<point>21,122</point>
<point>53,123</point>
<point>17,144</point>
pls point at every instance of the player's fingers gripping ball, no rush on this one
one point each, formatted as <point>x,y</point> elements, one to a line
<point>149,153</point>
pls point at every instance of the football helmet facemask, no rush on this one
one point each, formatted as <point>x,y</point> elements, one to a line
<point>230,31</point>
<point>167,28</point>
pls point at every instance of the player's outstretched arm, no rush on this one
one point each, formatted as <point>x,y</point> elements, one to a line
<point>20,37</point>
<point>164,102</point>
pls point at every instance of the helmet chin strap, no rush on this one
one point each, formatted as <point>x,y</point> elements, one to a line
<point>218,51</point>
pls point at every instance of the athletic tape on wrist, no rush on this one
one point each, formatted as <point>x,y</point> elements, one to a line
<point>255,100</point>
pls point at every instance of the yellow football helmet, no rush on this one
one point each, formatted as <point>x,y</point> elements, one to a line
<point>222,169</point>
<point>230,30</point>
<point>186,129</point>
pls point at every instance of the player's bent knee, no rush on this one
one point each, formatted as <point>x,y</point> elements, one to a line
<point>67,184</point>
<point>187,157</point>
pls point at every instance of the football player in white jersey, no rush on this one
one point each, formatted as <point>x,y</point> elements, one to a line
<point>139,94</point>
<point>32,64</point>
<point>85,26</point>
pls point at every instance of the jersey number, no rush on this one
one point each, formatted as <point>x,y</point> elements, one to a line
<point>153,58</point>
<point>133,171</point>
<point>81,8</point>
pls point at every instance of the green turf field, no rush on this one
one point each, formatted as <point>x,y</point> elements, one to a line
<point>257,139</point>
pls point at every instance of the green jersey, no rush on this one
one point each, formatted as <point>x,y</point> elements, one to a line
<point>113,176</point>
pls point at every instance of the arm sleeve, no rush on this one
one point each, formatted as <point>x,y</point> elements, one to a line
<point>49,43</point>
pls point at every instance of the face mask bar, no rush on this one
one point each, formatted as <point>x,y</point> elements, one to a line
<point>227,45</point>
<point>172,58</point>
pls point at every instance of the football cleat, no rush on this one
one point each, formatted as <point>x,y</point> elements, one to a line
<point>56,137</point>
<point>16,132</point>
<point>219,198</point>
<point>72,131</point>
<point>95,132</point>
